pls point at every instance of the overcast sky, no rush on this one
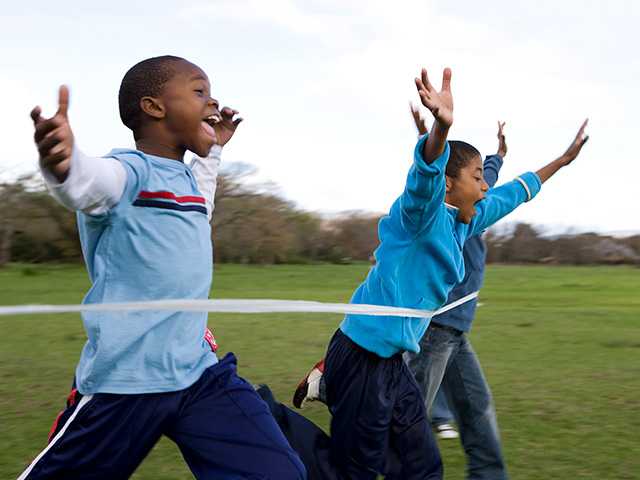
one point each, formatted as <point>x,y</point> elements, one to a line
<point>324,88</point>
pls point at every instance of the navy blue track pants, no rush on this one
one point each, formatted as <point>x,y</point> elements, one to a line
<point>379,422</point>
<point>222,427</point>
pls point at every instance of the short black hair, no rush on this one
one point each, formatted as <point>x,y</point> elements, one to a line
<point>145,78</point>
<point>460,154</point>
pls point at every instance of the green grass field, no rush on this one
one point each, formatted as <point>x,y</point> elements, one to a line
<point>560,347</point>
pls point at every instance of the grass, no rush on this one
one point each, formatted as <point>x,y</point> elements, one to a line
<point>560,347</point>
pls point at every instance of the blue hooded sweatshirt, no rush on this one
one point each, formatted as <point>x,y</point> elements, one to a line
<point>419,259</point>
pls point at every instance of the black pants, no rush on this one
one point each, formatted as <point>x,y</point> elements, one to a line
<point>379,423</point>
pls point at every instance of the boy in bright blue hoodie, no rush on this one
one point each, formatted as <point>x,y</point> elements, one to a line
<point>377,408</point>
<point>447,368</point>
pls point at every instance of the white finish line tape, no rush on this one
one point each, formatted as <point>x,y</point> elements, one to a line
<point>236,306</point>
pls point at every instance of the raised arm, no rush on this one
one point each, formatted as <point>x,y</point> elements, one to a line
<point>441,106</point>
<point>425,188</point>
<point>502,200</point>
<point>549,170</point>
<point>91,185</point>
<point>54,138</point>
<point>502,140</point>
<point>493,163</point>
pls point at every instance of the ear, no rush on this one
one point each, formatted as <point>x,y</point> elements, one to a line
<point>152,107</point>
<point>449,183</point>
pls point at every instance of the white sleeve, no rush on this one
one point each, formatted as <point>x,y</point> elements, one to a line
<point>205,171</point>
<point>93,186</point>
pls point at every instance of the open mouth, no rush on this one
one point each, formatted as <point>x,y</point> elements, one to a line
<point>208,124</point>
<point>212,120</point>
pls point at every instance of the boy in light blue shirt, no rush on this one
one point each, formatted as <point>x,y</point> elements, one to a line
<point>145,233</point>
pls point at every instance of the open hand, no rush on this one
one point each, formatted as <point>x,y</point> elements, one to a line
<point>502,142</point>
<point>54,138</point>
<point>577,144</point>
<point>226,127</point>
<point>439,103</point>
<point>421,123</point>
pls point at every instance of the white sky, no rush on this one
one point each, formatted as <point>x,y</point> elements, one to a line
<point>324,87</point>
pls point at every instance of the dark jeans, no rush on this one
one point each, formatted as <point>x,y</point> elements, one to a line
<point>447,361</point>
<point>440,411</point>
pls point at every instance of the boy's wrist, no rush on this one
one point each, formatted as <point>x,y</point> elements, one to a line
<point>444,121</point>
<point>440,128</point>
<point>564,160</point>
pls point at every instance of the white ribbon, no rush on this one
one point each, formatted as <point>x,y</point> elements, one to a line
<point>236,306</point>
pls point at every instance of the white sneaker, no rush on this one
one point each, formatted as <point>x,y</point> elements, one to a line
<point>446,431</point>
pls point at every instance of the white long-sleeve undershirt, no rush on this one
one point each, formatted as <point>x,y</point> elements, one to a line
<point>205,170</point>
<point>94,185</point>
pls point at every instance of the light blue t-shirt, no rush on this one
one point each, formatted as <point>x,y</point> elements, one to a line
<point>154,244</point>
<point>419,259</point>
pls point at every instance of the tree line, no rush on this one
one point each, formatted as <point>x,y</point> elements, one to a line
<point>254,224</point>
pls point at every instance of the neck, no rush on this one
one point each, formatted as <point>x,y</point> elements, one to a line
<point>160,148</point>
<point>447,200</point>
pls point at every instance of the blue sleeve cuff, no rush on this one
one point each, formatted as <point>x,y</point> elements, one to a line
<point>530,183</point>
<point>492,165</point>
<point>437,167</point>
<point>494,160</point>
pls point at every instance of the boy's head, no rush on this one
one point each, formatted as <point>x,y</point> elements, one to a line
<point>167,100</point>
<point>465,179</point>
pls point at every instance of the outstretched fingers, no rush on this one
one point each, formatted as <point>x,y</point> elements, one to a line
<point>425,96</point>
<point>440,103</point>
<point>423,84</point>
<point>414,111</point>
<point>446,79</point>
<point>418,119</point>
<point>420,87</point>
<point>577,144</point>
<point>425,80</point>
<point>501,136</point>
<point>63,101</point>
<point>581,137</point>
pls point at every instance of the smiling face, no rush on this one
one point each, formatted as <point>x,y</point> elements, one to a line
<point>467,188</point>
<point>189,110</point>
